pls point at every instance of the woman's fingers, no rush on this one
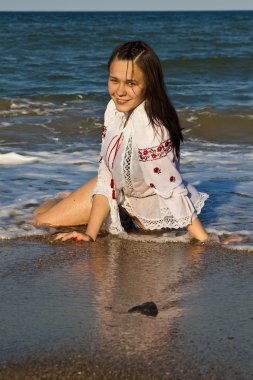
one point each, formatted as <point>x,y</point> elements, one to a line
<point>76,236</point>
<point>62,236</point>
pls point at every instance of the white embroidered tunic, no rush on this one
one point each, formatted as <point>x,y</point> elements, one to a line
<point>139,172</point>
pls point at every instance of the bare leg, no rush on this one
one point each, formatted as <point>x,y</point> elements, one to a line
<point>70,211</point>
<point>44,207</point>
<point>49,204</point>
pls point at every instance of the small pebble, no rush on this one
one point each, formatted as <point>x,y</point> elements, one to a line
<point>147,308</point>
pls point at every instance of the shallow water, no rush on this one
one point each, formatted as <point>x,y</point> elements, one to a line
<point>53,95</point>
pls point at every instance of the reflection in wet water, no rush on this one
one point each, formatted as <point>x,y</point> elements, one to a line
<point>129,278</point>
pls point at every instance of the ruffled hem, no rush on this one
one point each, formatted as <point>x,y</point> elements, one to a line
<point>168,220</point>
<point>112,223</point>
<point>201,201</point>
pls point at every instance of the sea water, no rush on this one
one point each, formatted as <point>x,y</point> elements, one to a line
<point>53,93</point>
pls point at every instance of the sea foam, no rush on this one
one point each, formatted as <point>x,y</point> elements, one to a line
<point>13,158</point>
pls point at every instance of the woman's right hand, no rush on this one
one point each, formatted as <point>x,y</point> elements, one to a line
<point>73,235</point>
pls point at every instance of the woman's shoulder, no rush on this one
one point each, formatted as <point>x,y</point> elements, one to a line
<point>144,132</point>
<point>140,116</point>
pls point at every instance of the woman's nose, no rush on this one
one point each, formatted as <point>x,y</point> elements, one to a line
<point>121,89</point>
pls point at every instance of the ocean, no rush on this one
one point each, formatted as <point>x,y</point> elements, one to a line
<point>53,93</point>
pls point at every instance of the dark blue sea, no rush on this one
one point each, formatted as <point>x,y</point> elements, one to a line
<point>53,92</point>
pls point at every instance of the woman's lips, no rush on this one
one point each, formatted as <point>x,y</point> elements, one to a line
<point>121,101</point>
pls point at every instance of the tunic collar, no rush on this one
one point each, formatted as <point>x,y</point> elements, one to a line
<point>140,107</point>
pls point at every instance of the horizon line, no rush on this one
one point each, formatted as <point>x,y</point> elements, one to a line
<point>124,10</point>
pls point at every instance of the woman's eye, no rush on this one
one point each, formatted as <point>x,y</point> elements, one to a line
<point>131,84</point>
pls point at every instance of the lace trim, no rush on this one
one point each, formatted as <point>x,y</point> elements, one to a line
<point>201,201</point>
<point>126,166</point>
<point>168,220</point>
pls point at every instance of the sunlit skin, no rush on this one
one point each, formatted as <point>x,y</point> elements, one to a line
<point>126,85</point>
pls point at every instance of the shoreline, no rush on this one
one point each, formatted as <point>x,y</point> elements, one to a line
<point>65,310</point>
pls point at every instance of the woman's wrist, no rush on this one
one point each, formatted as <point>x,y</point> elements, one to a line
<point>90,237</point>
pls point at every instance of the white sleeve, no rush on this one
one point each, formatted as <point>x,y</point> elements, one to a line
<point>158,163</point>
<point>104,184</point>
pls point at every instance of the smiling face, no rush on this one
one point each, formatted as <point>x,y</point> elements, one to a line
<point>126,85</point>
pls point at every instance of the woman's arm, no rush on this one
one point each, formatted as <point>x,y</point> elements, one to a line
<point>99,211</point>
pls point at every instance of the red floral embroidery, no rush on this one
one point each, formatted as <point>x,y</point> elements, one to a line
<point>157,170</point>
<point>155,152</point>
<point>151,185</point>
<point>104,132</point>
<point>113,190</point>
<point>172,179</point>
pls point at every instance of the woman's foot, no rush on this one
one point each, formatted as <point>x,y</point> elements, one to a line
<point>236,238</point>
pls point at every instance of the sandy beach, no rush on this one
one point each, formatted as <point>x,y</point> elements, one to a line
<point>64,307</point>
<point>64,310</point>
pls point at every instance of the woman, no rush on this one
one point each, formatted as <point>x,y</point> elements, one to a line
<point>139,167</point>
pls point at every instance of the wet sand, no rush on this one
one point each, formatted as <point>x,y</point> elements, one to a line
<point>64,311</point>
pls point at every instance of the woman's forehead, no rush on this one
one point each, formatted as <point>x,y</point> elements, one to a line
<point>125,69</point>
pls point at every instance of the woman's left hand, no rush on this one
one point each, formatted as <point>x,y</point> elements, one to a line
<point>76,236</point>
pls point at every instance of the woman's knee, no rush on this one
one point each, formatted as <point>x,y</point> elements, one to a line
<point>41,220</point>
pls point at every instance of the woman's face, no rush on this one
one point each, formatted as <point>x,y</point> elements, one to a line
<point>126,85</point>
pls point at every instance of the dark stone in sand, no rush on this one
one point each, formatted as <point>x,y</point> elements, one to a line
<point>147,308</point>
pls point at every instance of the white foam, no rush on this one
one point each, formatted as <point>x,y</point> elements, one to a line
<point>45,174</point>
<point>166,237</point>
<point>191,119</point>
<point>25,231</point>
<point>13,158</point>
<point>241,247</point>
<point>171,237</point>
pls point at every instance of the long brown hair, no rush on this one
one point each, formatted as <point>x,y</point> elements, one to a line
<point>158,105</point>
